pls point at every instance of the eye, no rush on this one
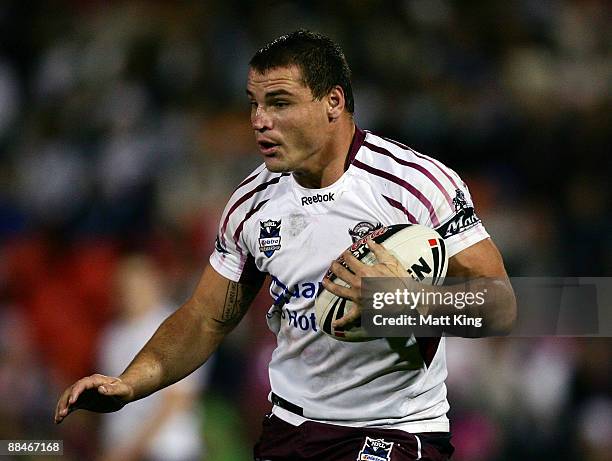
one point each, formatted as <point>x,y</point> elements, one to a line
<point>280,103</point>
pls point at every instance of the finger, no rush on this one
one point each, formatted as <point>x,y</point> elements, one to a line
<point>64,407</point>
<point>80,394</point>
<point>90,382</point>
<point>59,406</point>
<point>352,262</point>
<point>63,411</point>
<point>62,403</point>
<point>339,290</point>
<point>344,274</point>
<point>78,389</point>
<point>385,258</point>
<point>352,315</point>
<point>380,252</point>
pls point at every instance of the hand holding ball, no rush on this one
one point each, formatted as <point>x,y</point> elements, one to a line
<point>419,249</point>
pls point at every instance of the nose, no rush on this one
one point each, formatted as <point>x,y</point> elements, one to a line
<point>260,120</point>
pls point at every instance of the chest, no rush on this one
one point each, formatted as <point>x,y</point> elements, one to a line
<point>295,238</point>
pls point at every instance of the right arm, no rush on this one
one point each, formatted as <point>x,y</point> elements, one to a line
<point>182,343</point>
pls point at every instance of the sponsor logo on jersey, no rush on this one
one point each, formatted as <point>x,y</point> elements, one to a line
<point>318,198</point>
<point>464,218</point>
<point>284,294</point>
<point>298,321</point>
<point>375,450</point>
<point>362,229</point>
<point>269,236</point>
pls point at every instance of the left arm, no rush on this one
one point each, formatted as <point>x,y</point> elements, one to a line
<point>480,264</point>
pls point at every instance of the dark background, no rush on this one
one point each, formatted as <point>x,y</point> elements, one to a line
<point>124,128</point>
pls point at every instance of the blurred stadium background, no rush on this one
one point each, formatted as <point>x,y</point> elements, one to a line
<point>124,128</point>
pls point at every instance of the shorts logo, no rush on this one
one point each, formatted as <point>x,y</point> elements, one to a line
<point>269,236</point>
<point>318,198</point>
<point>362,229</point>
<point>375,450</point>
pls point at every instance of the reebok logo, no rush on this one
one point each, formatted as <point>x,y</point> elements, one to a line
<point>329,197</point>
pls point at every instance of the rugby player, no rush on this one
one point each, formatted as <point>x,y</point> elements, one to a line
<point>324,182</point>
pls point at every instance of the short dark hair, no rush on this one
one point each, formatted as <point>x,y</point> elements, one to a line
<point>320,60</point>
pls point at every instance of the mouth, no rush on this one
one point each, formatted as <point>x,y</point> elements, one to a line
<point>267,148</point>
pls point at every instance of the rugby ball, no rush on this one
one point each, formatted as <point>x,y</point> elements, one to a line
<point>421,251</point>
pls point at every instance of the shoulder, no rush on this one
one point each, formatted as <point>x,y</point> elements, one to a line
<point>252,194</point>
<point>258,185</point>
<point>258,179</point>
<point>392,161</point>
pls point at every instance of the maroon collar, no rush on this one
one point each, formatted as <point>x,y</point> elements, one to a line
<point>356,143</point>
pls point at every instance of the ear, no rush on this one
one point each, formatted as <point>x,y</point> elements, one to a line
<point>335,103</point>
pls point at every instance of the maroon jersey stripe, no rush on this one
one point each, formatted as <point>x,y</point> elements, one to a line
<point>399,206</point>
<point>399,144</point>
<point>416,166</point>
<point>251,212</point>
<point>409,187</point>
<point>356,143</point>
<point>247,196</point>
<point>248,180</point>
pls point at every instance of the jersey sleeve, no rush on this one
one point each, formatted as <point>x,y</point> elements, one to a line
<point>453,214</point>
<point>230,256</point>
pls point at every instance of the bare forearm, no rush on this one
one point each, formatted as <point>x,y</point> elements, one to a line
<point>187,338</point>
<point>180,345</point>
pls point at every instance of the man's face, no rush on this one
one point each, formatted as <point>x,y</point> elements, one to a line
<point>291,127</point>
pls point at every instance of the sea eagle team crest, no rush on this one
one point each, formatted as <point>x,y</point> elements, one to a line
<point>269,237</point>
<point>375,450</point>
<point>362,229</point>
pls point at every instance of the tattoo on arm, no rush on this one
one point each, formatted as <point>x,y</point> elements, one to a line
<point>235,305</point>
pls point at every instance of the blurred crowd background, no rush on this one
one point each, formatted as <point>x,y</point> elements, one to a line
<point>124,128</point>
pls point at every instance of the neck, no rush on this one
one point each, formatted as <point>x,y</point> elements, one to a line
<point>330,162</point>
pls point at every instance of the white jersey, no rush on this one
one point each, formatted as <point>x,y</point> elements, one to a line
<point>273,225</point>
